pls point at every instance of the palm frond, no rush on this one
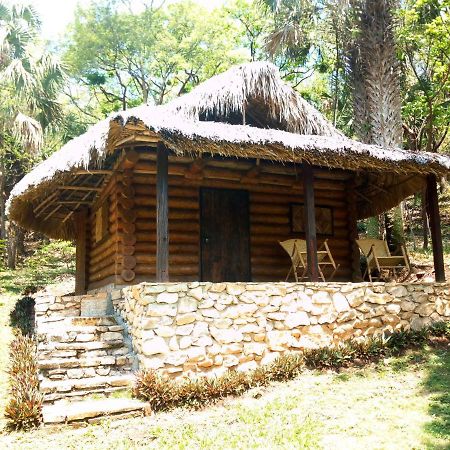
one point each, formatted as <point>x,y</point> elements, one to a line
<point>28,131</point>
<point>17,74</point>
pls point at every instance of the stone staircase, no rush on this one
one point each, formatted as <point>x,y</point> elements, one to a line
<point>80,356</point>
<point>85,358</point>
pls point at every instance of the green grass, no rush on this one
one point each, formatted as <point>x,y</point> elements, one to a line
<point>401,403</point>
<point>437,386</point>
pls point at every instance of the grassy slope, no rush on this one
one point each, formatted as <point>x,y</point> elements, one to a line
<point>402,403</point>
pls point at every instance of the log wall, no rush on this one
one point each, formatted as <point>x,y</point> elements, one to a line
<point>128,254</point>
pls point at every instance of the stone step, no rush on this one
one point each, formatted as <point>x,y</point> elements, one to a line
<point>89,410</point>
<point>100,392</point>
<point>86,346</point>
<point>85,384</point>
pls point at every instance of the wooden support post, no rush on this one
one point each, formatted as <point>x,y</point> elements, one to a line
<point>435,228</point>
<point>353,230</point>
<point>80,219</point>
<point>310,222</point>
<point>162,214</point>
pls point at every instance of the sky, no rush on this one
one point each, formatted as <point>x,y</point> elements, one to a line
<point>57,14</point>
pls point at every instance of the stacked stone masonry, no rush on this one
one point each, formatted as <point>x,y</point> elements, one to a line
<point>87,344</point>
<point>80,355</point>
<point>196,328</point>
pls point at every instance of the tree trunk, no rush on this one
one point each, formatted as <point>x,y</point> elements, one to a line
<point>11,248</point>
<point>425,225</point>
<point>2,200</point>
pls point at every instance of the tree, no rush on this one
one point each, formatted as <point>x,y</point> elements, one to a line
<point>375,78</point>
<point>125,58</point>
<point>425,47</point>
<point>30,81</point>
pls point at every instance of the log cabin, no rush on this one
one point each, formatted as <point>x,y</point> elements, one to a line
<point>205,187</point>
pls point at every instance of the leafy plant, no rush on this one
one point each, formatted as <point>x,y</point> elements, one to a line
<point>22,316</point>
<point>24,408</point>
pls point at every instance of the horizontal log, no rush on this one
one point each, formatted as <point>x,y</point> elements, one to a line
<point>104,282</point>
<point>106,272</point>
<point>102,264</point>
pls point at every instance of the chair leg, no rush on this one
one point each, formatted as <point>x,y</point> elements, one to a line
<point>289,274</point>
<point>334,272</point>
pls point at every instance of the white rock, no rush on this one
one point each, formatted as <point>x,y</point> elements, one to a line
<point>197,293</point>
<point>185,330</point>
<point>196,353</point>
<point>235,289</point>
<point>230,360</point>
<point>393,308</point>
<point>200,329</point>
<point>165,331</point>
<point>173,344</point>
<point>278,340</point>
<point>184,319</point>
<point>158,310</point>
<point>340,302</point>
<point>223,323</point>
<point>226,336</point>
<point>398,291</point>
<point>294,320</point>
<point>186,305</point>
<point>185,342</point>
<point>210,312</point>
<point>203,341</point>
<point>154,346</point>
<point>176,358</point>
<point>321,297</point>
<point>167,297</point>
<point>152,363</point>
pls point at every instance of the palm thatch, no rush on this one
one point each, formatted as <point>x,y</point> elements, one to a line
<point>280,126</point>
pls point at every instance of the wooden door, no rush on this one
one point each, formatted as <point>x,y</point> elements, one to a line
<point>225,235</point>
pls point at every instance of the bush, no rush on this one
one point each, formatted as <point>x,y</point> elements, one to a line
<point>22,316</point>
<point>24,408</point>
<point>164,393</point>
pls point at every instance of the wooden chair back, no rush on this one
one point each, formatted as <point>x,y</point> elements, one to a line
<point>380,247</point>
<point>295,248</point>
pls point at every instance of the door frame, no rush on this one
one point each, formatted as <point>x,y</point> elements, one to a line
<point>247,193</point>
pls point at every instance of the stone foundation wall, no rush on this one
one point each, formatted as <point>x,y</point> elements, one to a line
<point>193,328</point>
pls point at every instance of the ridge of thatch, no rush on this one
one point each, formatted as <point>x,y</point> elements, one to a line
<point>241,90</point>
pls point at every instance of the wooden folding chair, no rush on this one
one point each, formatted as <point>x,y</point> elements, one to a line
<point>378,257</point>
<point>297,251</point>
<point>326,261</point>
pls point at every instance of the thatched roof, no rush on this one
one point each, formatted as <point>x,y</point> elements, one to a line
<point>280,126</point>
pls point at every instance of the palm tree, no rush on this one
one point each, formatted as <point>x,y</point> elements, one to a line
<point>375,82</point>
<point>30,82</point>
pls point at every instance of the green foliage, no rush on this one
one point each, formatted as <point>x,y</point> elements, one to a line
<point>165,393</point>
<point>24,409</point>
<point>49,261</point>
<point>441,329</point>
<point>22,316</point>
<point>129,57</point>
<point>425,50</point>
